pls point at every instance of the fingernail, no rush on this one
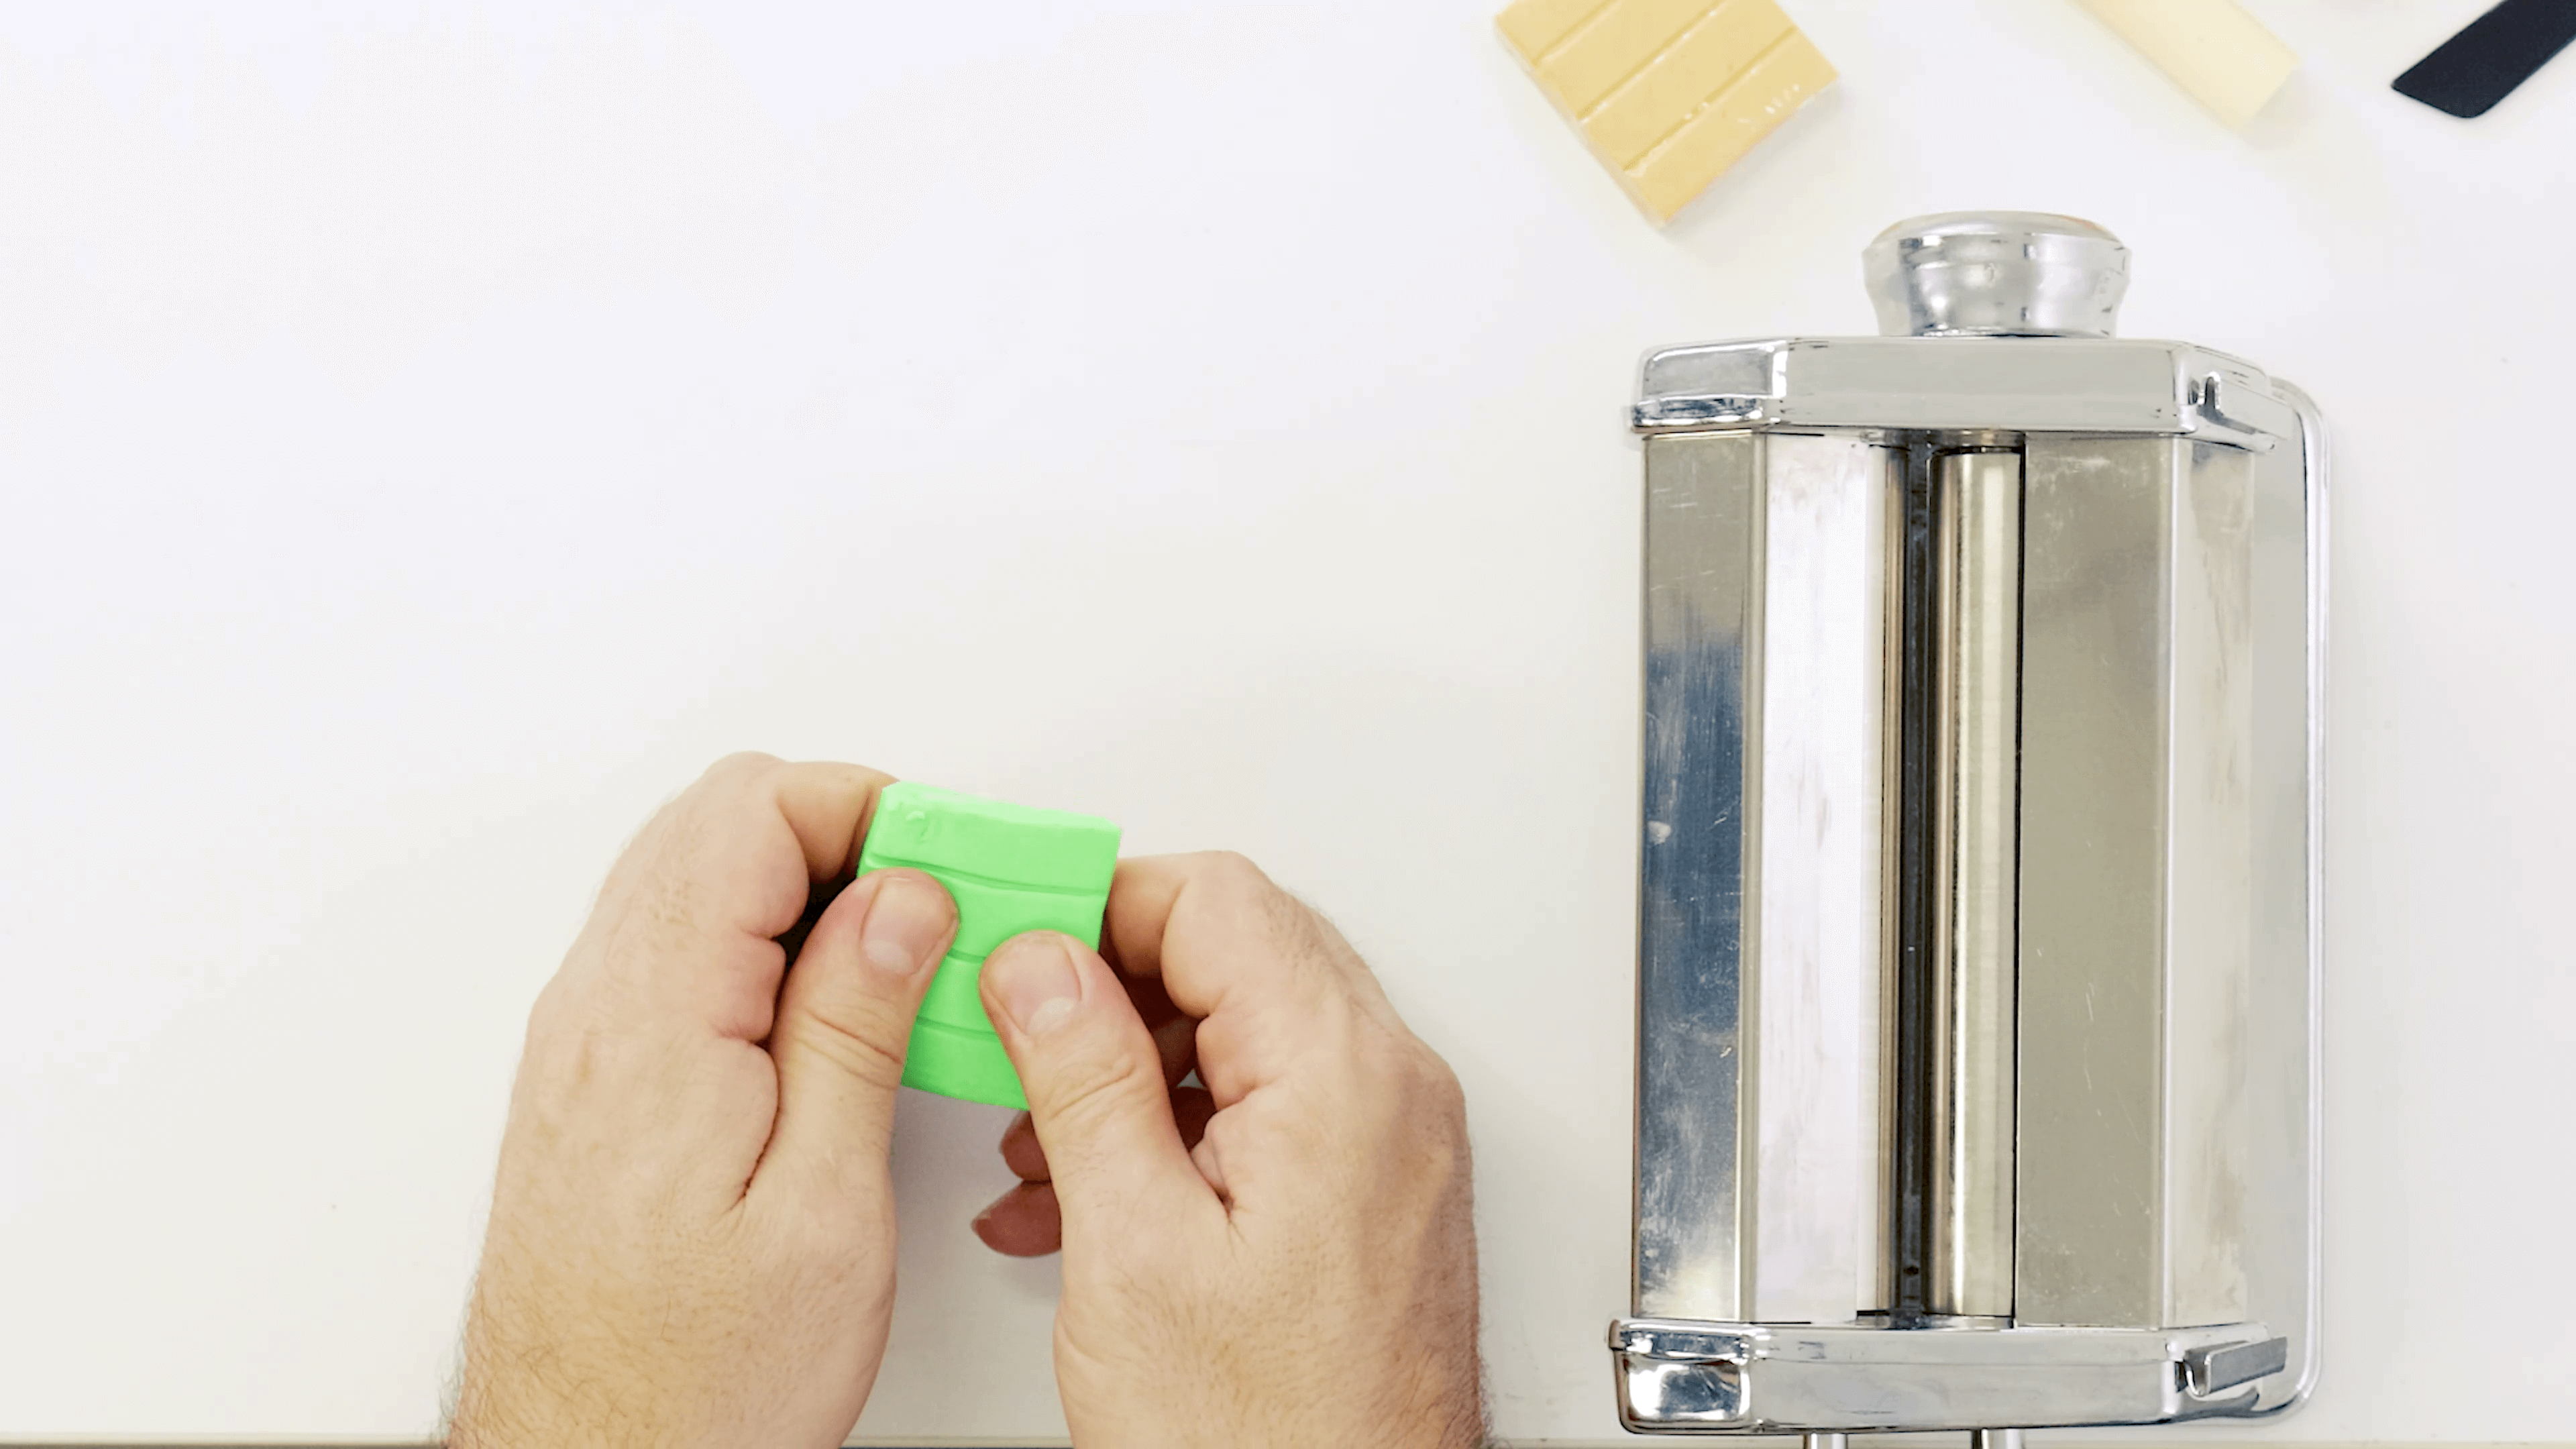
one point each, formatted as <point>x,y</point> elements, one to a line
<point>904,926</point>
<point>1034,978</point>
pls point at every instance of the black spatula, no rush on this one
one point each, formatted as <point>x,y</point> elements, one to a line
<point>2468,73</point>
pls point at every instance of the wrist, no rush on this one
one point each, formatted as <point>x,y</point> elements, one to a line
<point>529,1396</point>
<point>484,1420</point>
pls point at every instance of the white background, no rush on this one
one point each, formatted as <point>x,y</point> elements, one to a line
<point>429,433</point>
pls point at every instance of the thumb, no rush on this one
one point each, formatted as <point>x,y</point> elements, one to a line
<point>1094,1081</point>
<point>844,1019</point>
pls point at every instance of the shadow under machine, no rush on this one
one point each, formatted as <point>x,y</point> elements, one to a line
<point>1977,939</point>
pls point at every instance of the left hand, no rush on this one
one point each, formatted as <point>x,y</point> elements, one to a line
<point>692,1237</point>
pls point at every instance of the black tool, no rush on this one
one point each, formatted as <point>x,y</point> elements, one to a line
<point>2468,73</point>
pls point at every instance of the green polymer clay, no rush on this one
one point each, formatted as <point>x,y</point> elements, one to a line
<point>1010,869</point>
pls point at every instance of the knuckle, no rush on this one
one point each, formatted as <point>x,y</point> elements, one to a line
<point>863,1039</point>
<point>1399,1069</point>
<point>1437,1084</point>
<point>1091,1088</point>
<point>1292,920</point>
<point>1233,873</point>
<point>1439,1117</point>
<point>742,764</point>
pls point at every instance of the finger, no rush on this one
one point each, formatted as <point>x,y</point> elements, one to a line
<point>1094,1083</point>
<point>843,1023</point>
<point>1175,1042</point>
<point>687,923</point>
<point>1191,1109</point>
<point>1025,1222</point>
<point>1269,978</point>
<point>1022,1223</point>
<point>1175,1032</point>
<point>1021,1152</point>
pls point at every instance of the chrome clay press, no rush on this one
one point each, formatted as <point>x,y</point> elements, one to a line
<point>1977,952</point>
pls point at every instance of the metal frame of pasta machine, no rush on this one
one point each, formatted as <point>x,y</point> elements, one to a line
<point>1978,948</point>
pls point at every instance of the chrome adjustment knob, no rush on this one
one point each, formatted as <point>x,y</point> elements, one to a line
<point>1996,274</point>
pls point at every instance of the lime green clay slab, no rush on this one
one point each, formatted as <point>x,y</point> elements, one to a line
<point>1010,869</point>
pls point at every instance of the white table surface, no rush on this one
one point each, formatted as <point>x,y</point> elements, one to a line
<point>429,433</point>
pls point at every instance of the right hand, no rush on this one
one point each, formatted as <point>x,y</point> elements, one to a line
<point>1306,1274</point>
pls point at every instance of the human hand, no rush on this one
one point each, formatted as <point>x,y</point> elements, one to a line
<point>1025,1222</point>
<point>1302,1274</point>
<point>692,1235</point>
